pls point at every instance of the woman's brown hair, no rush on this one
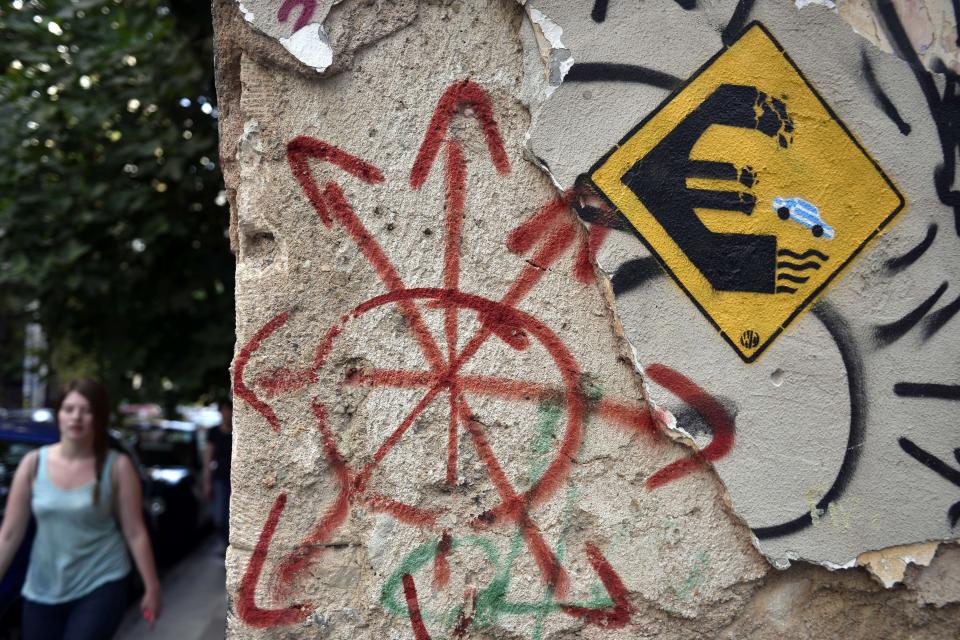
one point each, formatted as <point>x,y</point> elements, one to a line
<point>96,395</point>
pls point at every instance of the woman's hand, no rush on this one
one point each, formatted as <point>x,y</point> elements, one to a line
<point>127,484</point>
<point>151,604</point>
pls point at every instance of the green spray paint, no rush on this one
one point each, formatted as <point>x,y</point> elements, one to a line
<point>491,601</point>
<point>696,576</point>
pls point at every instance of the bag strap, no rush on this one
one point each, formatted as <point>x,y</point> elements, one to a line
<point>36,466</point>
<point>114,484</point>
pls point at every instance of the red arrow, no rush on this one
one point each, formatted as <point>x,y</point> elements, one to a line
<point>458,97</point>
<point>331,202</point>
<point>465,93</point>
<point>703,403</point>
<point>454,204</point>
<point>302,148</point>
<point>240,388</point>
<point>615,616</point>
<point>247,609</point>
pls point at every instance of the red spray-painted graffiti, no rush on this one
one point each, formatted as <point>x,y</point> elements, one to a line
<point>711,410</point>
<point>413,606</point>
<point>441,566</point>
<point>548,234</point>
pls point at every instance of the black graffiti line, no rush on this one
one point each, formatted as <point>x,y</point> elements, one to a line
<point>886,104</point>
<point>939,467</point>
<point>895,265</point>
<point>784,289</point>
<point>791,278</point>
<point>843,337</point>
<point>599,12</point>
<point>609,217</point>
<point>616,72</point>
<point>939,318</point>
<point>634,274</point>
<point>737,22</point>
<point>943,109</point>
<point>927,390</point>
<point>595,215</point>
<point>804,255</point>
<point>886,334</point>
<point>798,267</point>
<point>930,461</point>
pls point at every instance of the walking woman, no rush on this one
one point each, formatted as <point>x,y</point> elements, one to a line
<point>86,500</point>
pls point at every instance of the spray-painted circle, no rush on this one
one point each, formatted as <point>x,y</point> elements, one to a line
<point>510,507</point>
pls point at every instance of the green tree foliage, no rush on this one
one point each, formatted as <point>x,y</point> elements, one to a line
<point>112,216</point>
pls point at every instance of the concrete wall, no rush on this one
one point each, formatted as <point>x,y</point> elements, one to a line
<point>537,338</point>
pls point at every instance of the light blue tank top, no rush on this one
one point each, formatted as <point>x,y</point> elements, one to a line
<point>78,546</point>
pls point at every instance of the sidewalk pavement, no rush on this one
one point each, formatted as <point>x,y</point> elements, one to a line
<point>194,601</point>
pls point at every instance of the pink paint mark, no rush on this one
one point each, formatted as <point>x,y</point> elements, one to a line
<point>307,8</point>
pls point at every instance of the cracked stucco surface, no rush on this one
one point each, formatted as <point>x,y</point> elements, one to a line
<point>792,407</point>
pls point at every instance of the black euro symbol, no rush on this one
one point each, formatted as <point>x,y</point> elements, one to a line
<point>729,261</point>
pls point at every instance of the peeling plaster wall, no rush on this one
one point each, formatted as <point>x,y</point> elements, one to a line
<point>442,375</point>
<point>836,425</point>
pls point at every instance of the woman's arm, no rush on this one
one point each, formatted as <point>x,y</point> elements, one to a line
<point>130,507</point>
<point>17,515</point>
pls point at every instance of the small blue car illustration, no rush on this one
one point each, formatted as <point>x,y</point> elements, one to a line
<point>805,213</point>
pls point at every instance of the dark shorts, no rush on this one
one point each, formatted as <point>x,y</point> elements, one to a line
<point>94,616</point>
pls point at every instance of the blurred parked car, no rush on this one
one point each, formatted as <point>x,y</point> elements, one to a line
<point>170,452</point>
<point>19,434</point>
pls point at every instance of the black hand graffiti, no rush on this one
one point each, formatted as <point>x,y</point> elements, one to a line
<point>729,261</point>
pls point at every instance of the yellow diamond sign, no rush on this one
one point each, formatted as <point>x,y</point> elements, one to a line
<point>749,190</point>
